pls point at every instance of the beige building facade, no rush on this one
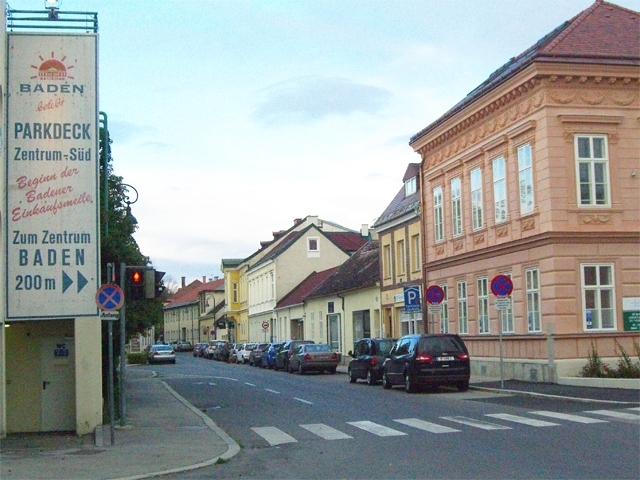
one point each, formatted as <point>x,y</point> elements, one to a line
<point>536,176</point>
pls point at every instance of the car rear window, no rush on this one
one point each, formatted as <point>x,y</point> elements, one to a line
<point>317,348</point>
<point>385,346</point>
<point>439,345</point>
<point>163,347</point>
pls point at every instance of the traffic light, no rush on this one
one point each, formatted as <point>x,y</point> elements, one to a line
<point>158,285</point>
<point>136,283</point>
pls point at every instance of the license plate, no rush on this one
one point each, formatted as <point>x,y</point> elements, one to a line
<point>444,359</point>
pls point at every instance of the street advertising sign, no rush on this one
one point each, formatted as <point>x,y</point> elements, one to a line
<point>412,301</point>
<point>51,216</point>
<point>435,294</point>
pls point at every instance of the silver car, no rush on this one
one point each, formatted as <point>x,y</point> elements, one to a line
<point>161,353</point>
<point>318,357</point>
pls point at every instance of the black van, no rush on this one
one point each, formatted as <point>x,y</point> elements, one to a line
<point>427,360</point>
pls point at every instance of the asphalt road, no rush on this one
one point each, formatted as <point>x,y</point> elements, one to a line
<point>321,426</point>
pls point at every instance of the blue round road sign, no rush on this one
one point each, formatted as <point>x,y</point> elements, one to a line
<point>109,297</point>
<point>501,286</point>
<point>435,294</point>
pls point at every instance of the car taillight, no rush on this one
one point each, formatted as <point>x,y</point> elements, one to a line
<point>423,357</point>
<point>307,356</point>
<point>373,361</point>
<point>334,356</point>
<point>462,356</point>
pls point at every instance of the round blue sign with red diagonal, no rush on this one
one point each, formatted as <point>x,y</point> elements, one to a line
<point>501,286</point>
<point>109,297</point>
<point>435,294</point>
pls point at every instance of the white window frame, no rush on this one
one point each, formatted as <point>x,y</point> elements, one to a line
<point>416,260</point>
<point>444,313</point>
<point>456,206</point>
<point>401,257</point>
<point>438,214</point>
<point>592,171</point>
<point>500,189</point>
<point>463,310</point>
<point>475,177</point>
<point>386,261</point>
<point>410,187</point>
<point>532,280</point>
<point>595,294</point>
<point>525,179</point>
<point>484,322</point>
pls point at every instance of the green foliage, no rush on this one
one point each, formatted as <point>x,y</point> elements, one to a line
<point>138,358</point>
<point>627,368</point>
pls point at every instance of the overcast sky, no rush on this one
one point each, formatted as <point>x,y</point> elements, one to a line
<point>232,118</point>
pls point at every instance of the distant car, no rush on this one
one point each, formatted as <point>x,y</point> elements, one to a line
<point>368,356</point>
<point>233,352</point>
<point>244,351</point>
<point>183,346</point>
<point>268,358</point>
<point>427,360</point>
<point>318,357</point>
<point>199,349</point>
<point>221,353</point>
<point>256,354</point>
<point>285,351</point>
<point>161,353</point>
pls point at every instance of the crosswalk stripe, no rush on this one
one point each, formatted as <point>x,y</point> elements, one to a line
<point>325,431</point>
<point>427,426</point>
<point>376,429</point>
<point>637,409</point>
<point>476,423</point>
<point>527,421</point>
<point>567,416</point>
<point>616,414</point>
<point>273,435</point>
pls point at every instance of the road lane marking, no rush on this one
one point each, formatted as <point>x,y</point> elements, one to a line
<point>569,417</point>
<point>227,378</point>
<point>527,421</point>
<point>303,401</point>
<point>250,384</point>
<point>273,435</point>
<point>376,429</point>
<point>325,431</point>
<point>615,414</point>
<point>637,409</point>
<point>213,384</point>
<point>476,423</point>
<point>272,391</point>
<point>427,426</point>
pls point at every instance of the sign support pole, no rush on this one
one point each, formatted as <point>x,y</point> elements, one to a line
<point>123,355</point>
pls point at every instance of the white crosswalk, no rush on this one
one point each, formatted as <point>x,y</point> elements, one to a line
<point>275,436</point>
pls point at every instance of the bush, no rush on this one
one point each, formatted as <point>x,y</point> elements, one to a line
<point>627,368</point>
<point>139,358</point>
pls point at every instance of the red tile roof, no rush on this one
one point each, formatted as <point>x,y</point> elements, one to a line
<point>296,296</point>
<point>190,293</point>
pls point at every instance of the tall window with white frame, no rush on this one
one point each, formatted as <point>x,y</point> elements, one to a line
<point>500,189</point>
<point>483,305</point>
<point>598,297</point>
<point>401,258</point>
<point>506,316</point>
<point>592,164</point>
<point>438,215</point>
<point>533,299</point>
<point>456,207</point>
<point>476,198</point>
<point>463,317</point>
<point>386,261</point>
<point>525,179</point>
<point>416,259</point>
<point>444,314</point>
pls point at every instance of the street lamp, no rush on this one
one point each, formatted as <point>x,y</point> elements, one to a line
<point>53,6</point>
<point>129,203</point>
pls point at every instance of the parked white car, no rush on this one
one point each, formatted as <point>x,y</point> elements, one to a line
<point>243,353</point>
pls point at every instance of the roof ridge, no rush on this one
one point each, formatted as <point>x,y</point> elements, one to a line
<point>573,24</point>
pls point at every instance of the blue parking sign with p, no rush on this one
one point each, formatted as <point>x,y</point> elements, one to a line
<point>412,299</point>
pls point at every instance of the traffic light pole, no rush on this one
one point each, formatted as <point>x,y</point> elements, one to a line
<point>123,355</point>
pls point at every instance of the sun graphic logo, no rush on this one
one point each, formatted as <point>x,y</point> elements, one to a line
<point>52,69</point>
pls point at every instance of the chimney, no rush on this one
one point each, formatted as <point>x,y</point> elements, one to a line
<point>184,282</point>
<point>297,221</point>
<point>364,230</point>
<point>204,279</point>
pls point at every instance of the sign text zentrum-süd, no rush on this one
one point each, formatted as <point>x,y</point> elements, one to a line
<point>51,229</point>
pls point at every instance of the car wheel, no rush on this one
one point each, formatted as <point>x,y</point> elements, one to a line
<point>352,377</point>
<point>333,370</point>
<point>300,369</point>
<point>174,362</point>
<point>289,369</point>
<point>385,381</point>
<point>409,384</point>
<point>463,386</point>
<point>370,379</point>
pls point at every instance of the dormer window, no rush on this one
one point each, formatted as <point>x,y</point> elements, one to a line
<point>410,187</point>
<point>313,247</point>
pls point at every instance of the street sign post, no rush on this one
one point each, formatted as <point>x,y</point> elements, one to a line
<point>265,325</point>
<point>435,296</point>
<point>502,287</point>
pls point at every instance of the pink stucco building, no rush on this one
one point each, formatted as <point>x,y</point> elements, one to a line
<point>536,175</point>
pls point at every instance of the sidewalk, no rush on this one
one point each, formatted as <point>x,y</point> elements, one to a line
<point>165,434</point>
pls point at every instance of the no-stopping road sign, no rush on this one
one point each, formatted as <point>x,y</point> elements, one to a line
<point>501,286</point>
<point>109,297</point>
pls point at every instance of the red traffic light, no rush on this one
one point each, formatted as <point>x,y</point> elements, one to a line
<point>137,278</point>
